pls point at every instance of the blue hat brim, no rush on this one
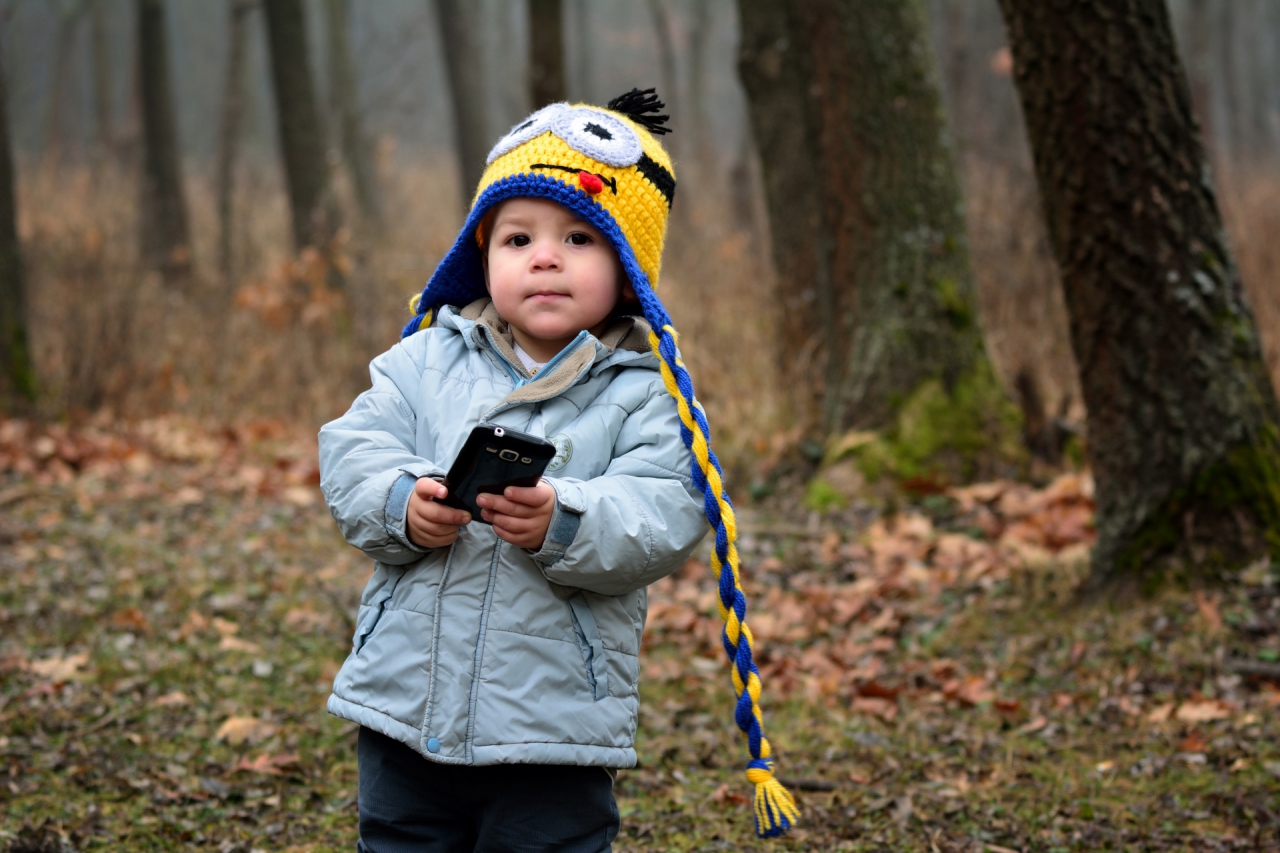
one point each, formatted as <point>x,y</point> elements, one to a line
<point>459,279</point>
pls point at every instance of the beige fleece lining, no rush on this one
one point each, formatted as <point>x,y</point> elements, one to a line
<point>630,334</point>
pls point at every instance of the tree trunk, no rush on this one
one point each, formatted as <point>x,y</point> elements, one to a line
<point>165,241</point>
<point>233,96</point>
<point>354,143</point>
<point>69,19</point>
<point>876,301</point>
<point>459,22</point>
<point>668,79</point>
<point>581,60</point>
<point>101,79</point>
<point>546,52</point>
<point>17,377</point>
<point>1199,66</point>
<point>699,128</point>
<point>302,145</point>
<point>1183,435</point>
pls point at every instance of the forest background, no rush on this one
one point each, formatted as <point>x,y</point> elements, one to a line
<point>103,333</point>
<point>208,267</point>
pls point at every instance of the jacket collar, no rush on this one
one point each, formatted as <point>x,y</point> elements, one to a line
<point>624,342</point>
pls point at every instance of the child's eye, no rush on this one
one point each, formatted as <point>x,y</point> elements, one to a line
<point>519,241</point>
<point>579,239</point>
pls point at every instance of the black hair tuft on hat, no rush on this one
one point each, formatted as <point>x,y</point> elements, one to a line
<point>637,104</point>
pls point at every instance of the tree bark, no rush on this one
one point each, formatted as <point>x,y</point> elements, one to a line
<point>582,59</point>
<point>546,52</point>
<point>699,128</point>
<point>302,145</point>
<point>1199,66</point>
<point>668,77</point>
<point>464,61</point>
<point>233,97</point>
<point>17,376</point>
<point>1182,429</point>
<point>354,143</point>
<point>68,21</point>
<point>166,244</point>
<point>101,79</point>
<point>875,292</point>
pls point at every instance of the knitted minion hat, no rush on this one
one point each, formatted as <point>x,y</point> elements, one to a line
<point>606,167</point>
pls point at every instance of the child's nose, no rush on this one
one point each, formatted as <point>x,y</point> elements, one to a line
<point>546,256</point>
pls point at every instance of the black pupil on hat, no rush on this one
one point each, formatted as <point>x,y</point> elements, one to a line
<point>596,130</point>
<point>526,124</point>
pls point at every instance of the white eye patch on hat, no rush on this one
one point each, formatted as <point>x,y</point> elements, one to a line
<point>595,133</point>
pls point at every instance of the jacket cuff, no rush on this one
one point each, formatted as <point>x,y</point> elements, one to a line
<point>566,517</point>
<point>396,510</point>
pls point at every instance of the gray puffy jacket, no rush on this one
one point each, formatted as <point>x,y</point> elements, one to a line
<point>483,652</point>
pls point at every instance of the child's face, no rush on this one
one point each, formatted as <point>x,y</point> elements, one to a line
<point>550,275</point>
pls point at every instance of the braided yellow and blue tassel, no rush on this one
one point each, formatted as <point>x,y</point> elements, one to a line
<point>775,807</point>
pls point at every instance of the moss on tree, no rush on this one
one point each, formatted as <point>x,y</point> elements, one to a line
<point>1240,493</point>
<point>970,430</point>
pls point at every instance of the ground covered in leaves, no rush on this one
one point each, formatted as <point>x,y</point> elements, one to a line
<point>175,601</point>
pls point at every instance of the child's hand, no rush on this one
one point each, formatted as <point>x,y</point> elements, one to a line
<point>431,524</point>
<point>520,515</point>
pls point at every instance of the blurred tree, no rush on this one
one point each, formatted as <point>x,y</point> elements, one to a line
<point>302,144</point>
<point>101,78</point>
<point>546,52</point>
<point>1199,65</point>
<point>353,141</point>
<point>17,376</point>
<point>668,83</point>
<point>878,321</point>
<point>165,240</point>
<point>233,103</point>
<point>1183,434</point>
<point>459,22</point>
<point>700,28</point>
<point>580,60</point>
<point>69,12</point>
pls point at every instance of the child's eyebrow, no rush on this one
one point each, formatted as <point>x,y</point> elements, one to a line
<point>525,220</point>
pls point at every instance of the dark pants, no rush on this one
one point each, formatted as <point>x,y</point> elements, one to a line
<point>408,803</point>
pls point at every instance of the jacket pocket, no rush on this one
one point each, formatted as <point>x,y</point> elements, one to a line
<point>584,625</point>
<point>373,612</point>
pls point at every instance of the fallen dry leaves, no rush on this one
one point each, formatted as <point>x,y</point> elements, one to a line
<point>829,638</point>
<point>1203,710</point>
<point>267,765</point>
<point>238,730</point>
<point>61,667</point>
<point>217,462</point>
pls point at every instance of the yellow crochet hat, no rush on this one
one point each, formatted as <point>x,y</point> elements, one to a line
<point>603,164</point>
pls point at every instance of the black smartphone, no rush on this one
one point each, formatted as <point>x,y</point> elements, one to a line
<point>493,458</point>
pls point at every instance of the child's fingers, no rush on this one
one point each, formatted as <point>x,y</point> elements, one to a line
<point>504,506</point>
<point>511,523</point>
<point>429,489</point>
<point>441,514</point>
<point>529,495</point>
<point>432,535</point>
<point>520,537</point>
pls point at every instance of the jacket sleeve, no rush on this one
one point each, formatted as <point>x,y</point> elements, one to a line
<point>636,523</point>
<point>367,462</point>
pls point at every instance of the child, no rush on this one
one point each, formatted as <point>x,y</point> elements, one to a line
<point>506,656</point>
